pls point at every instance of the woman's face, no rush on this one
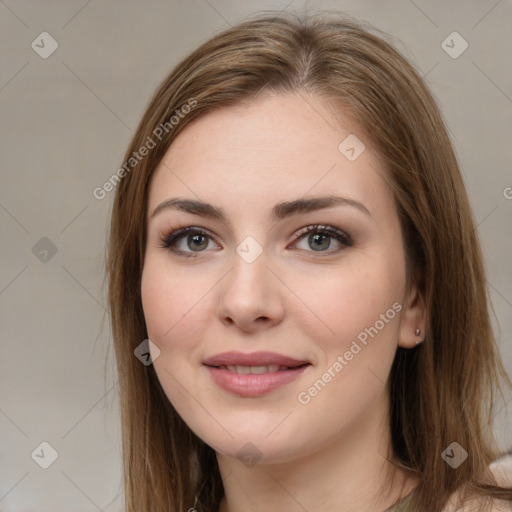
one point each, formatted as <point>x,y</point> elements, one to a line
<point>278,311</point>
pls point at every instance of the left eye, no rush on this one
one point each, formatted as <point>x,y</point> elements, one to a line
<point>321,238</point>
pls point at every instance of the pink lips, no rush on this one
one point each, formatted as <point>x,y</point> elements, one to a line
<point>279,370</point>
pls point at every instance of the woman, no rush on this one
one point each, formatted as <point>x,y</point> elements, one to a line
<point>293,260</point>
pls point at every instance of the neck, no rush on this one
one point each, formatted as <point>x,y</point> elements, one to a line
<point>353,473</point>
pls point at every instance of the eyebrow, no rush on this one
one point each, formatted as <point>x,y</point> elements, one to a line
<point>279,212</point>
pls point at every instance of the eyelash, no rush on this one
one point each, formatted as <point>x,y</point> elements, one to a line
<point>170,240</point>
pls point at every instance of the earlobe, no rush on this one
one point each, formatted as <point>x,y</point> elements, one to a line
<point>418,334</point>
<point>413,321</point>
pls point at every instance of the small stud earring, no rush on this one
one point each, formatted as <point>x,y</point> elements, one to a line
<point>418,332</point>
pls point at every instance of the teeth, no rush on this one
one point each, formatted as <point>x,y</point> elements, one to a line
<point>254,370</point>
<point>264,369</point>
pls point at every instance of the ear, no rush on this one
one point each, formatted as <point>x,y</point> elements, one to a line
<point>413,318</point>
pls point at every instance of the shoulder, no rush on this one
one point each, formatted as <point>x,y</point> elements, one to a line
<point>477,505</point>
<point>502,471</point>
<point>480,505</point>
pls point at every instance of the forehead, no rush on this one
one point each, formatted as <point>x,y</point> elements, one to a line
<point>273,148</point>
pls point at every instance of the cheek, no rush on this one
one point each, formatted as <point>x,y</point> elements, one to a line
<point>347,299</point>
<point>362,307</point>
<point>177,306</point>
<point>172,310</point>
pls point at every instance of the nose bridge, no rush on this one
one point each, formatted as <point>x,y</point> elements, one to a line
<point>250,291</point>
<point>249,250</point>
<point>250,271</point>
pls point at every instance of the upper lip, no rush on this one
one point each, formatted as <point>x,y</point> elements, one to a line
<point>253,359</point>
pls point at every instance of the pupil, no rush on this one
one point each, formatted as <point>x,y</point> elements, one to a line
<point>197,242</point>
<point>319,241</point>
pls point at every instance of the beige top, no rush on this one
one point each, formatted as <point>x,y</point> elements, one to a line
<point>502,471</point>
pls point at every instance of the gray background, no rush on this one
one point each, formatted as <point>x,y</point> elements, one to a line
<point>65,123</point>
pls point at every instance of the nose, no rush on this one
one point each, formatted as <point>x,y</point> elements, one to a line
<point>251,296</point>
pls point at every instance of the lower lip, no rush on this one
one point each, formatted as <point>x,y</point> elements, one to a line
<point>253,385</point>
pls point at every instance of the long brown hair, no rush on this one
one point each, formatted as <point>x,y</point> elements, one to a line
<point>442,391</point>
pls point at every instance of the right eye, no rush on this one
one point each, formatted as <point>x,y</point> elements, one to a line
<point>187,241</point>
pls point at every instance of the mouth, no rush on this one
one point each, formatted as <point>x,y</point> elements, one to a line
<point>252,375</point>
<point>257,370</point>
<point>254,360</point>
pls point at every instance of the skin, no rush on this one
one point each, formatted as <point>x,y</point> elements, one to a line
<point>331,453</point>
